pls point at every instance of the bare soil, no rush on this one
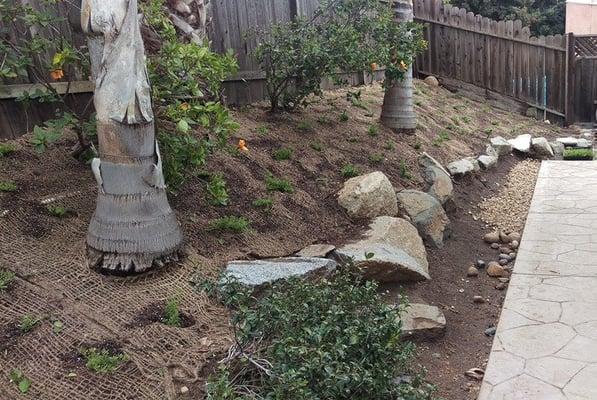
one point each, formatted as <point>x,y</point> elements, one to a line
<point>47,253</point>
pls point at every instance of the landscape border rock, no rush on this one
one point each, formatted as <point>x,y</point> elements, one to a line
<point>423,322</point>
<point>369,196</point>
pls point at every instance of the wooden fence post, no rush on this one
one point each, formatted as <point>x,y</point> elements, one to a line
<point>570,72</point>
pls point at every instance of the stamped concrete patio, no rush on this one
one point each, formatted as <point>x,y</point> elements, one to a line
<point>546,342</point>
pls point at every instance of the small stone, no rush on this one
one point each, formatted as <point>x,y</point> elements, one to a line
<point>495,246</point>
<point>460,168</point>
<point>512,255</point>
<point>472,271</point>
<point>504,280</point>
<point>490,331</point>
<point>492,237</point>
<point>479,299</point>
<point>316,250</point>
<point>495,270</point>
<point>422,321</point>
<point>503,262</point>
<point>514,236</point>
<point>436,355</point>
<point>504,250</point>
<point>504,237</point>
<point>460,290</point>
<point>184,390</point>
<point>481,264</point>
<point>487,161</point>
<point>514,244</point>
<point>504,257</point>
<point>501,286</point>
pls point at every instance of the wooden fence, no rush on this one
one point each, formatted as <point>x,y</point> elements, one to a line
<point>498,56</point>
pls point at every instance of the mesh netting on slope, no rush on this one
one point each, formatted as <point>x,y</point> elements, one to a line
<point>54,284</point>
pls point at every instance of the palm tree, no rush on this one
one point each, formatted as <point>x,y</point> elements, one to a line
<point>398,111</point>
<point>133,228</point>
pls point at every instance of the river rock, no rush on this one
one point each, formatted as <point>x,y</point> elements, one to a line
<point>422,322</point>
<point>492,237</point>
<point>396,249</point>
<point>460,168</point>
<point>500,145</point>
<point>427,214</point>
<point>495,270</point>
<point>257,274</point>
<point>369,196</point>
<point>522,143</point>
<point>541,148</point>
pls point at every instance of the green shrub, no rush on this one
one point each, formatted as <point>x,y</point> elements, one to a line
<point>265,203</point>
<point>230,224</point>
<point>274,184</point>
<point>102,361</point>
<point>332,339</point>
<point>8,186</point>
<point>6,149</point>
<point>350,171</point>
<point>56,210</point>
<point>28,323</point>
<point>282,154</point>
<point>217,194</point>
<point>6,277</point>
<point>579,154</point>
<point>172,312</point>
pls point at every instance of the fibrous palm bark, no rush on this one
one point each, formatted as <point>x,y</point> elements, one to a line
<point>133,228</point>
<point>398,111</point>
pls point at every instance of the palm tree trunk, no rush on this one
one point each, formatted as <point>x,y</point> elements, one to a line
<point>133,228</point>
<point>398,111</point>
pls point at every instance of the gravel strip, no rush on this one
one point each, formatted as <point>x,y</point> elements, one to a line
<point>508,211</point>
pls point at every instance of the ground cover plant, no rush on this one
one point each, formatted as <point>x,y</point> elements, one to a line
<point>102,361</point>
<point>579,154</point>
<point>332,339</point>
<point>6,277</point>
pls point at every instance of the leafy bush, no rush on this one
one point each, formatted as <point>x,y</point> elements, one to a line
<point>332,339</point>
<point>186,80</point>
<point>342,36</point>
<point>56,210</point>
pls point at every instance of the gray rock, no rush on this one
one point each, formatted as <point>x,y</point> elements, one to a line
<point>460,168</point>
<point>426,160</point>
<point>441,184</point>
<point>500,145</point>
<point>423,322</point>
<point>584,144</point>
<point>398,252</point>
<point>487,161</point>
<point>541,148</point>
<point>557,148</point>
<point>476,166</point>
<point>316,250</point>
<point>427,214</point>
<point>490,331</point>
<point>431,81</point>
<point>259,273</point>
<point>522,143</point>
<point>490,151</point>
<point>481,264</point>
<point>492,237</point>
<point>369,196</point>
<point>568,141</point>
<point>472,272</point>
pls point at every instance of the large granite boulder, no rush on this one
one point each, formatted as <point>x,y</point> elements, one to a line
<point>522,143</point>
<point>461,168</point>
<point>257,274</point>
<point>369,196</point>
<point>487,161</point>
<point>427,214</point>
<point>500,145</point>
<point>390,251</point>
<point>426,161</point>
<point>422,322</point>
<point>541,148</point>
<point>440,182</point>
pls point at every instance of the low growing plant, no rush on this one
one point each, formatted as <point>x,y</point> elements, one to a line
<point>28,323</point>
<point>317,146</point>
<point>6,277</point>
<point>373,130</point>
<point>6,149</point>
<point>404,171</point>
<point>331,339</point>
<point>172,312</point>
<point>56,210</point>
<point>376,158</point>
<point>579,154</point>
<point>102,361</point>
<point>274,184</point>
<point>350,171</point>
<point>18,378</point>
<point>8,186</point>
<point>282,154</point>
<point>230,224</point>
<point>265,203</point>
<point>217,194</point>
<point>344,116</point>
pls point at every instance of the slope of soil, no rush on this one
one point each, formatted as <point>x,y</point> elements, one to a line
<point>54,284</point>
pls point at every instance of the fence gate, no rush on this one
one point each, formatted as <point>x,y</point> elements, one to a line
<point>583,76</point>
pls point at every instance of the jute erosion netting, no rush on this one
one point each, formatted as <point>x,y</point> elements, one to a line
<point>54,284</point>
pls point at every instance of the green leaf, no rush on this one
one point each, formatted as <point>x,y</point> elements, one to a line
<point>24,385</point>
<point>183,126</point>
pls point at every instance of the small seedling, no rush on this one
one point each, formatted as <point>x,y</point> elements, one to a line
<point>456,121</point>
<point>263,130</point>
<point>274,184</point>
<point>344,116</point>
<point>304,126</point>
<point>6,277</point>
<point>417,145</point>
<point>488,131</point>
<point>217,193</point>
<point>101,361</point>
<point>56,210</point>
<point>352,139</point>
<point>376,158</point>
<point>316,146</point>
<point>404,171</point>
<point>441,138</point>
<point>350,171</point>
<point>390,146</point>
<point>172,312</point>
<point>282,154</point>
<point>6,149</point>
<point>324,120</point>
<point>57,326</point>
<point>8,186</point>
<point>418,103</point>
<point>28,323</point>
<point>19,379</point>
<point>230,224</point>
<point>373,130</point>
<point>265,203</point>
<point>579,154</point>
<point>466,119</point>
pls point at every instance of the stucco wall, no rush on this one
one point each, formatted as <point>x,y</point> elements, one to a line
<point>581,17</point>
